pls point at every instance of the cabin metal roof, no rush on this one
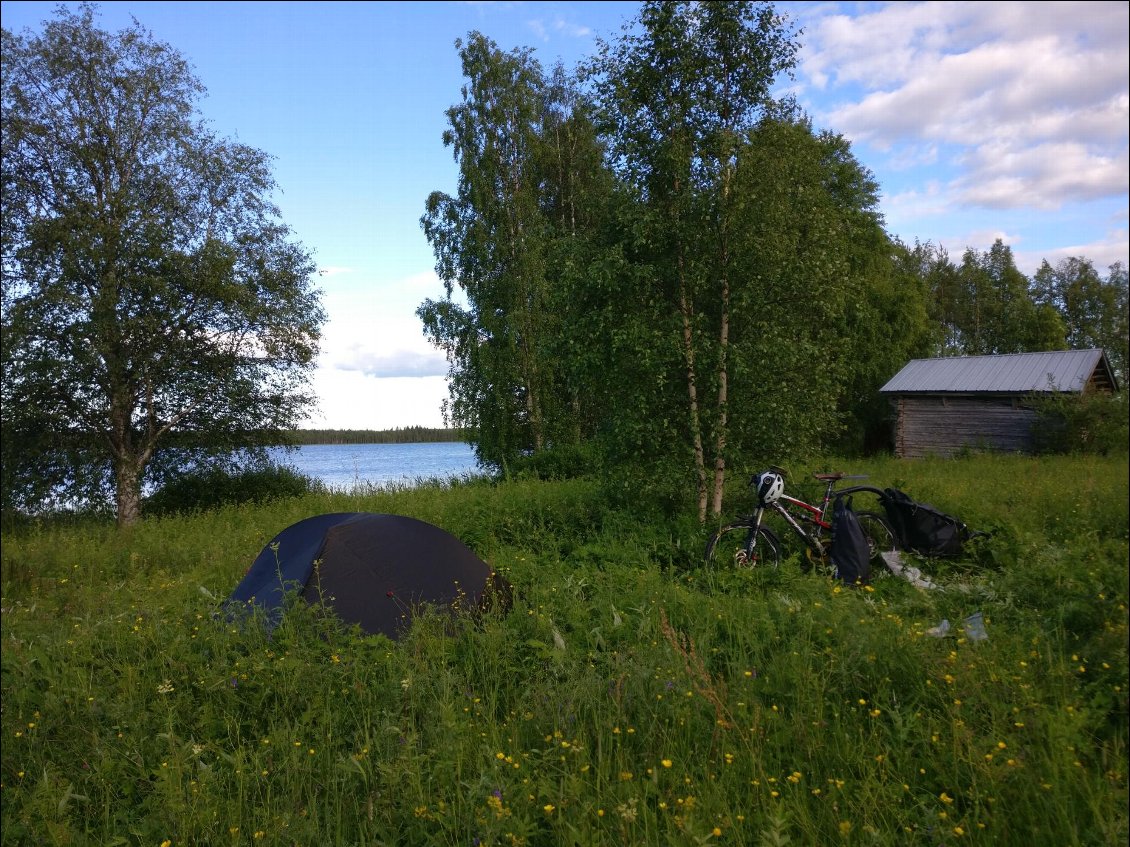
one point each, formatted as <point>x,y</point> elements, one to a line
<point>1062,370</point>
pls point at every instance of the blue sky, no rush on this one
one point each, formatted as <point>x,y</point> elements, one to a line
<point>979,120</point>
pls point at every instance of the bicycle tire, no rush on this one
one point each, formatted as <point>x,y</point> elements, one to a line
<point>880,537</point>
<point>729,545</point>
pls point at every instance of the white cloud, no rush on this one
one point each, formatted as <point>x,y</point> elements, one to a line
<point>980,240</point>
<point>542,28</point>
<point>353,400</point>
<point>904,41</point>
<point>1036,94</point>
<point>537,27</point>
<point>381,343</point>
<point>398,363</point>
<point>928,201</point>
<point>374,352</point>
<point>571,29</point>
<point>1043,176</point>
<point>1102,254</point>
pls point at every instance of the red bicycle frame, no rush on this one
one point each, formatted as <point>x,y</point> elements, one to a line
<point>816,516</point>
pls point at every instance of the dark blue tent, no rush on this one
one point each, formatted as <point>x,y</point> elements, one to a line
<point>371,569</point>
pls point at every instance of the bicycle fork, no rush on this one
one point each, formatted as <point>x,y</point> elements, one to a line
<point>748,552</point>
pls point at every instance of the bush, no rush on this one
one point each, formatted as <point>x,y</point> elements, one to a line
<point>565,461</point>
<point>208,489</point>
<point>1090,423</point>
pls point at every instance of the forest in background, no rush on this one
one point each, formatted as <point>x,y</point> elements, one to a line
<point>398,435</point>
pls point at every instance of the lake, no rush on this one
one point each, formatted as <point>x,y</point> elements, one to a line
<point>346,466</point>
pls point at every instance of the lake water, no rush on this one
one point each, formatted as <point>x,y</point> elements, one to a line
<point>346,466</point>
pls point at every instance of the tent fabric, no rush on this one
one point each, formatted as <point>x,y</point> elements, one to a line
<point>374,570</point>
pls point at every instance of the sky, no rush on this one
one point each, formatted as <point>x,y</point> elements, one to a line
<point>978,120</point>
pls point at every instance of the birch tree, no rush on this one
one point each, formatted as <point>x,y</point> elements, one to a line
<point>154,303</point>
<point>678,91</point>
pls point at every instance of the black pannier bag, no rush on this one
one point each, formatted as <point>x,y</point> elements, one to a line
<point>850,553</point>
<point>922,529</point>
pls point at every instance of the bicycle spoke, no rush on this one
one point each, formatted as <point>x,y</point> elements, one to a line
<point>880,537</point>
<point>730,546</point>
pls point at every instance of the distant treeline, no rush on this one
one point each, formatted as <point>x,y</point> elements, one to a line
<point>406,435</point>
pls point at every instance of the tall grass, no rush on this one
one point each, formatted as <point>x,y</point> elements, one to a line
<point>630,695</point>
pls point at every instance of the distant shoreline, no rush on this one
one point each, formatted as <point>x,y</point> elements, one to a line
<point>405,435</point>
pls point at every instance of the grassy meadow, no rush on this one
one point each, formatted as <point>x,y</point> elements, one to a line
<point>630,696</point>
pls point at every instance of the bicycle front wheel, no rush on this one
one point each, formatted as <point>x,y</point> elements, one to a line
<point>735,544</point>
<point>880,536</point>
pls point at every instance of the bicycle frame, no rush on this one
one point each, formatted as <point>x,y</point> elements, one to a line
<point>811,514</point>
<point>817,516</point>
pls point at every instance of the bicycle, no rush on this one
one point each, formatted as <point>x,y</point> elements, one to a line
<point>748,543</point>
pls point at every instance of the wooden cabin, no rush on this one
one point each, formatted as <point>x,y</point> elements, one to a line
<point>941,406</point>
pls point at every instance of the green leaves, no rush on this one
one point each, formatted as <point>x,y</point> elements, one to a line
<point>515,240</point>
<point>149,287</point>
<point>661,259</point>
<point>1094,311</point>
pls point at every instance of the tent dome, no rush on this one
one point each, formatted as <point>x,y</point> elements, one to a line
<point>374,570</point>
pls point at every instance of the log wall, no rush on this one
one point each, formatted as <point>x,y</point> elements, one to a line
<point>935,425</point>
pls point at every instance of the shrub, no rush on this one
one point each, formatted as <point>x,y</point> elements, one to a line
<point>1090,423</point>
<point>208,489</point>
<point>564,461</point>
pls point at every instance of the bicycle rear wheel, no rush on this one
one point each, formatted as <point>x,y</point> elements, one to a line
<point>880,536</point>
<point>731,545</point>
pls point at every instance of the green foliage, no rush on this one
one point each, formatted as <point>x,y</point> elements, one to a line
<point>662,261</point>
<point>566,461</point>
<point>884,329</point>
<point>1089,423</point>
<point>676,96</point>
<point>150,289</point>
<point>630,696</point>
<point>996,310</point>
<point>813,259</point>
<point>1094,311</point>
<point>526,160</point>
<point>214,487</point>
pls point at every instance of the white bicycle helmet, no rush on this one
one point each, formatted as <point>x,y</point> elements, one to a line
<point>770,487</point>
